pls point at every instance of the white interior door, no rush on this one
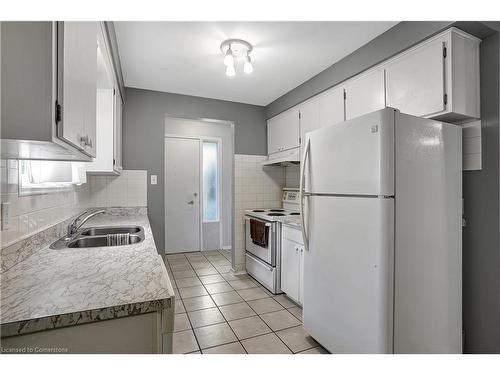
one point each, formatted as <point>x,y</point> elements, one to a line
<point>182,193</point>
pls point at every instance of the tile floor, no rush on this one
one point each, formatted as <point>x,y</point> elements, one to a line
<point>217,312</point>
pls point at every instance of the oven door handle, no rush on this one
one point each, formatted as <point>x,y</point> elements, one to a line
<point>266,224</point>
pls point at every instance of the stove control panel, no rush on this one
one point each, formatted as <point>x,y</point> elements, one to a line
<point>290,196</point>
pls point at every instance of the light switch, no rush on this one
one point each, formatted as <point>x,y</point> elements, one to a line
<point>154,179</point>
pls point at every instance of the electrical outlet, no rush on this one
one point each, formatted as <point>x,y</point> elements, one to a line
<point>154,179</point>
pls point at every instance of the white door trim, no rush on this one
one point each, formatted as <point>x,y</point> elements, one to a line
<point>231,125</point>
<point>202,139</point>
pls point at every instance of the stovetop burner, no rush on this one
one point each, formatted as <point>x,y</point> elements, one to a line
<point>257,210</point>
<point>275,214</point>
<point>277,210</point>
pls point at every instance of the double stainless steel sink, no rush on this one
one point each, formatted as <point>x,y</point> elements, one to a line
<point>102,237</point>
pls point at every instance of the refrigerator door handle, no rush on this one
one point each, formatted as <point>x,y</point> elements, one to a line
<point>302,193</point>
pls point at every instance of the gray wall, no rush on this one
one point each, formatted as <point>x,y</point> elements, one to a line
<point>481,237</point>
<point>143,130</point>
<point>481,242</point>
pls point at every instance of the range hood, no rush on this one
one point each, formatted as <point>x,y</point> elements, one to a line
<point>283,158</point>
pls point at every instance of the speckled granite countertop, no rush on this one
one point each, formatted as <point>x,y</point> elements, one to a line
<point>294,221</point>
<point>59,288</point>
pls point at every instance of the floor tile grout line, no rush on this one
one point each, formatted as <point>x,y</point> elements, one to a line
<point>231,328</point>
<point>272,331</point>
<point>220,312</point>
<point>227,322</point>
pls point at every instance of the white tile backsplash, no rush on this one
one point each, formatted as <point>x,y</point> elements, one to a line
<point>34,213</point>
<point>255,186</point>
<point>126,190</point>
<point>292,175</point>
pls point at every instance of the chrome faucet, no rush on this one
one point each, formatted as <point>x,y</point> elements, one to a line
<point>77,223</point>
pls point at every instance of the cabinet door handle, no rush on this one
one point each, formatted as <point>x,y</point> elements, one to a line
<point>86,141</point>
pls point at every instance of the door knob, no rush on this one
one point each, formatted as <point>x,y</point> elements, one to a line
<point>190,202</point>
<point>195,194</point>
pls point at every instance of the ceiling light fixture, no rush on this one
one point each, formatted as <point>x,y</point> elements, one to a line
<point>247,66</point>
<point>230,72</point>
<point>228,58</point>
<point>235,50</point>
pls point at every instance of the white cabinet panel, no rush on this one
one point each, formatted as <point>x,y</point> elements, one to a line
<point>292,265</point>
<point>108,118</point>
<point>283,131</point>
<point>415,82</point>
<point>365,94</point>
<point>118,131</point>
<point>301,275</point>
<point>309,120</point>
<point>290,269</point>
<point>331,107</point>
<point>48,90</point>
<point>79,67</point>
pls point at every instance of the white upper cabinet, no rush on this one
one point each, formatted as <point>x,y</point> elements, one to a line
<point>415,82</point>
<point>364,94</point>
<point>309,120</point>
<point>48,90</point>
<point>283,131</point>
<point>118,132</point>
<point>438,78</point>
<point>78,84</point>
<point>331,107</point>
<point>108,116</point>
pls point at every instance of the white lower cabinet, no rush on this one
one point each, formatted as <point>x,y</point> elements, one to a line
<point>149,333</point>
<point>292,264</point>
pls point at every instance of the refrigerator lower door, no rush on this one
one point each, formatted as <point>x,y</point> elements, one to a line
<point>348,273</point>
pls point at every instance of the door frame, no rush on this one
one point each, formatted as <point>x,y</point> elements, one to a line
<point>200,140</point>
<point>232,215</point>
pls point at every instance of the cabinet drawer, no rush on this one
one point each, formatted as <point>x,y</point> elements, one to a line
<point>262,272</point>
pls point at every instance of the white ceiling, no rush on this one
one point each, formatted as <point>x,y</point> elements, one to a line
<point>184,57</point>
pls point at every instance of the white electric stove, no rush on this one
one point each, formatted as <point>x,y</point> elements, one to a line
<point>264,262</point>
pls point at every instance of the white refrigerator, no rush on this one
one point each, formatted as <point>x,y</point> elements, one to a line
<point>381,202</point>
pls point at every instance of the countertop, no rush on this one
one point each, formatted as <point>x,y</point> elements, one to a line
<point>294,221</point>
<point>58,288</point>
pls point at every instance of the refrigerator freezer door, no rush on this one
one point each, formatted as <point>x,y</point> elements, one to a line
<point>348,273</point>
<point>354,157</point>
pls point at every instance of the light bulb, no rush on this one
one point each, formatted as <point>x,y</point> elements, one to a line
<point>229,59</point>
<point>247,66</point>
<point>230,72</point>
